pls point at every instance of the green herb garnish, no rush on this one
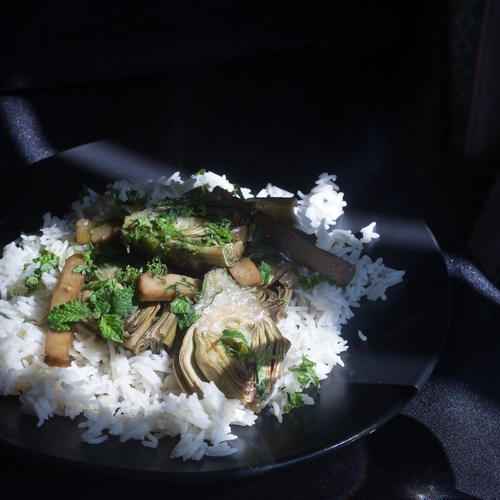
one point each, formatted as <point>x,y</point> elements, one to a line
<point>295,401</point>
<point>157,267</point>
<point>266,272</point>
<point>133,198</point>
<point>108,304</point>
<point>90,270</point>
<point>236,344</point>
<point>313,280</point>
<point>64,316</point>
<point>237,191</point>
<point>306,373</point>
<point>46,262</point>
<point>184,310</point>
<point>128,276</point>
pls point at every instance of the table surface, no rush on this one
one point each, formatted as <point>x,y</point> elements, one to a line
<point>446,441</point>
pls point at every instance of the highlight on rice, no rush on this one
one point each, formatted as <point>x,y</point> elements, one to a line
<point>132,393</point>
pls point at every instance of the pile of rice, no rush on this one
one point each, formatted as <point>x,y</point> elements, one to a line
<point>137,397</point>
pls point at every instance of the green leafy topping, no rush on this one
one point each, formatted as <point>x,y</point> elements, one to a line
<point>128,276</point>
<point>186,284</point>
<point>266,272</point>
<point>155,231</point>
<point>314,280</point>
<point>122,302</point>
<point>157,267</point>
<point>178,207</point>
<point>108,304</point>
<point>132,198</point>
<point>295,401</point>
<point>64,316</point>
<point>237,191</point>
<point>236,344</point>
<point>90,270</point>
<point>184,310</point>
<point>262,391</point>
<point>44,264</point>
<point>111,327</point>
<point>108,298</point>
<point>183,306</point>
<point>306,373</point>
<point>220,233</point>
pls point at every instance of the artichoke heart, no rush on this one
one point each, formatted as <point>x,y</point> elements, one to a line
<point>199,243</point>
<point>152,326</point>
<point>234,343</point>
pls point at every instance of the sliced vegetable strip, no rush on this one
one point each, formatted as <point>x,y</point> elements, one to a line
<point>68,288</point>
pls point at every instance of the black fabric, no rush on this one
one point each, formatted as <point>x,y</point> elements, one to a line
<point>90,76</point>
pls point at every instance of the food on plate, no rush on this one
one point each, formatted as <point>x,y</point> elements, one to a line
<point>234,342</point>
<point>182,307</point>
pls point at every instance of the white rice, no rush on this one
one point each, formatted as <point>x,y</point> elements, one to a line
<point>129,397</point>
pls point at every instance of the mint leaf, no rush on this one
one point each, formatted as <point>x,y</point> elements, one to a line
<point>47,261</point>
<point>314,280</point>
<point>296,401</point>
<point>107,304</point>
<point>128,275</point>
<point>266,273</point>
<point>306,373</point>
<point>111,327</point>
<point>121,302</point>
<point>64,316</point>
<point>157,267</point>
<point>184,310</point>
<point>91,271</point>
<point>236,343</point>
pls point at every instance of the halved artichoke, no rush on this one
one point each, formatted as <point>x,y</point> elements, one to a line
<point>234,343</point>
<point>194,242</point>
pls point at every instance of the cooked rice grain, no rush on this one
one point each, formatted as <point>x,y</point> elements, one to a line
<point>137,397</point>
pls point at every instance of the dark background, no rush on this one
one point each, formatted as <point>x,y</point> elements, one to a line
<point>66,68</point>
<point>73,73</point>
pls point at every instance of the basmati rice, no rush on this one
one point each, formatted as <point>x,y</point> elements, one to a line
<point>137,397</point>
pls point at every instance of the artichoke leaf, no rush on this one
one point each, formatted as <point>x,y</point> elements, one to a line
<point>275,299</point>
<point>152,326</point>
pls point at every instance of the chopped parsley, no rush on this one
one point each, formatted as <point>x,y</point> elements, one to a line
<point>44,264</point>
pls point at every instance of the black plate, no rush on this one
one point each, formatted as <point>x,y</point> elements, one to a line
<point>405,333</point>
<point>283,117</point>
